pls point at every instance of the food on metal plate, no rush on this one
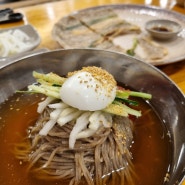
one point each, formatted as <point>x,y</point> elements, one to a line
<point>151,50</point>
<point>106,22</point>
<point>98,28</point>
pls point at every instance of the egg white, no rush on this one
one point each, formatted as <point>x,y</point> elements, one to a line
<point>84,92</point>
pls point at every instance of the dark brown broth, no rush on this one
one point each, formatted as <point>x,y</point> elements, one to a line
<point>162,29</point>
<point>150,148</point>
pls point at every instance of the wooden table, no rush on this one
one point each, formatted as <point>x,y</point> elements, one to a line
<point>44,16</point>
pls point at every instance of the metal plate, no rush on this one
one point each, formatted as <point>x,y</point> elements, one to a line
<point>139,15</point>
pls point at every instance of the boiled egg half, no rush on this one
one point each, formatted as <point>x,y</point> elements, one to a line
<point>89,89</point>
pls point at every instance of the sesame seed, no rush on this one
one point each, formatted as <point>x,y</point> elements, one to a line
<point>106,80</point>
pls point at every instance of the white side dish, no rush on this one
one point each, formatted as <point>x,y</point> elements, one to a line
<point>17,40</point>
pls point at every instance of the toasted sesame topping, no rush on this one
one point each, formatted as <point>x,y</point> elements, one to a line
<point>102,76</point>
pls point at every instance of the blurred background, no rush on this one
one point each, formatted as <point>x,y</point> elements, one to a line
<point>7,1</point>
<point>28,1</point>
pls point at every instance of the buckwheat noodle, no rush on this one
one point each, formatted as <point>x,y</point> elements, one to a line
<point>103,158</point>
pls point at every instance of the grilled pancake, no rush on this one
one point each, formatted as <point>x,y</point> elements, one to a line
<point>106,22</point>
<point>70,33</point>
<point>98,28</point>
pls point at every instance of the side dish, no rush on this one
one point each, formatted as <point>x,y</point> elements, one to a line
<point>13,42</point>
<point>99,28</point>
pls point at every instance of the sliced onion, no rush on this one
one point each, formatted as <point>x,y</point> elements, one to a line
<point>85,133</point>
<point>67,111</point>
<point>94,120</point>
<point>55,114</point>
<point>106,120</point>
<point>13,41</point>
<point>42,105</point>
<point>47,127</point>
<point>65,119</point>
<point>81,123</point>
<point>58,105</point>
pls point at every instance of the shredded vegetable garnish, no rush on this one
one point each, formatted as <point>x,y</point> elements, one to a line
<point>13,41</point>
<point>50,84</point>
<point>87,122</point>
<point>131,51</point>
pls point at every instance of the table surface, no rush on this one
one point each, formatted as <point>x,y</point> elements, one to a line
<point>44,16</point>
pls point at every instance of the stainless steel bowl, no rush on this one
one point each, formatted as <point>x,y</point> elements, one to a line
<point>168,101</point>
